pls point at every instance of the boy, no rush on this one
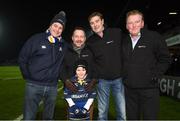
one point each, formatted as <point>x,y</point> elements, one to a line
<point>79,103</point>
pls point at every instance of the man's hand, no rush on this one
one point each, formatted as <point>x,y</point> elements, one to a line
<point>70,86</point>
<point>91,85</point>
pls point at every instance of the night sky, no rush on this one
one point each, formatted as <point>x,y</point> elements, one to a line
<point>20,20</point>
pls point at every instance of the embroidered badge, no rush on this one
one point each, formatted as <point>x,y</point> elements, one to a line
<point>85,55</point>
<point>60,48</point>
<point>141,46</point>
<point>109,42</point>
<point>81,82</point>
<point>43,46</point>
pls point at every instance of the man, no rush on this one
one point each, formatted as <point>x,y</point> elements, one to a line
<point>105,44</point>
<point>40,62</point>
<point>146,57</point>
<point>77,49</point>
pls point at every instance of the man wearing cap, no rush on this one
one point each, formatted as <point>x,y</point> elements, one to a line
<point>40,62</point>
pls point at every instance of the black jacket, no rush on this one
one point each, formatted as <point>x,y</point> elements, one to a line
<point>40,61</point>
<point>107,53</point>
<point>71,57</point>
<point>149,59</point>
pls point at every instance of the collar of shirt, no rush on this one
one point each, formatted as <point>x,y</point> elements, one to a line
<point>134,40</point>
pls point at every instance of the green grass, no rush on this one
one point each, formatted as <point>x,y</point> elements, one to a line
<point>12,96</point>
<point>9,72</point>
<point>11,92</point>
<point>169,108</point>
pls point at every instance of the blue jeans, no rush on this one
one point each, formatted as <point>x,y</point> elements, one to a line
<point>33,95</point>
<point>103,94</point>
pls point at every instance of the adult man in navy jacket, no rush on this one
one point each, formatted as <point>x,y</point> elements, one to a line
<point>40,62</point>
<point>146,57</point>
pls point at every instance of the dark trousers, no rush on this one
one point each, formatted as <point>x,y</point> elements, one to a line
<point>142,103</point>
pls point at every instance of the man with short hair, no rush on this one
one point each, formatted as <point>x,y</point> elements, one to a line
<point>105,44</point>
<point>76,50</point>
<point>146,57</point>
<point>40,61</point>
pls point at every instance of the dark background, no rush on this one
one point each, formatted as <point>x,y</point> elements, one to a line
<point>21,19</point>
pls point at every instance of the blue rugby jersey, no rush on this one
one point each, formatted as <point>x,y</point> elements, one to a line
<point>80,98</point>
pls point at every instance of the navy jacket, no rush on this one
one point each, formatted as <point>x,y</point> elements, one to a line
<point>40,61</point>
<point>149,59</point>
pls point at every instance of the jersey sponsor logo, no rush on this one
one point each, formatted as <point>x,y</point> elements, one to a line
<point>80,96</point>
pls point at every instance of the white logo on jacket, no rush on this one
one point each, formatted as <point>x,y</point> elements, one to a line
<point>85,55</point>
<point>142,46</point>
<point>43,46</point>
<point>60,48</point>
<point>110,42</point>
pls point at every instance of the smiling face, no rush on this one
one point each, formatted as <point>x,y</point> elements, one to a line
<point>78,37</point>
<point>97,24</point>
<point>134,24</point>
<point>81,73</point>
<point>56,29</point>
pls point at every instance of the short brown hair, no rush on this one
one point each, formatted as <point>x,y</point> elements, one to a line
<point>79,28</point>
<point>95,14</point>
<point>134,12</point>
